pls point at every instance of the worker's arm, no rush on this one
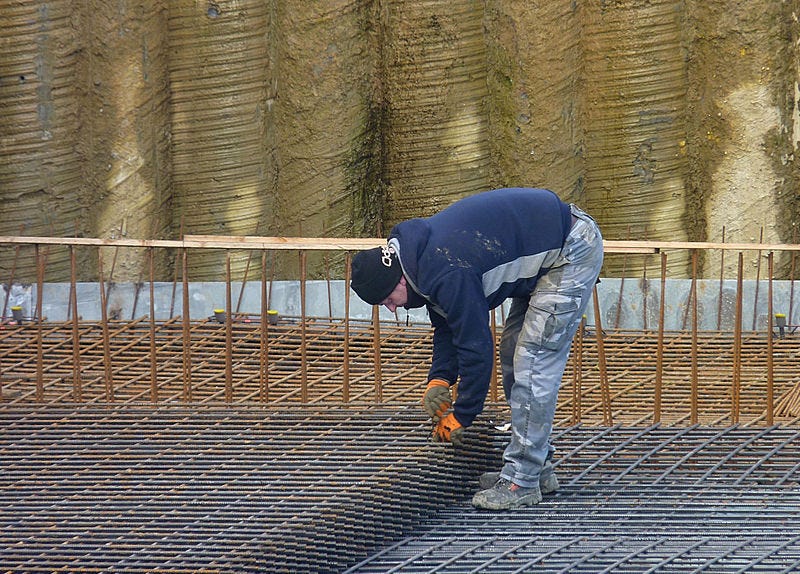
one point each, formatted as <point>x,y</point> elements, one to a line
<point>444,361</point>
<point>468,338</point>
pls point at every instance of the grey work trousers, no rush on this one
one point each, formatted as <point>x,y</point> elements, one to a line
<point>535,345</point>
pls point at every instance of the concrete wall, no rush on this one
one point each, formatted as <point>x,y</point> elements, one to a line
<point>636,309</point>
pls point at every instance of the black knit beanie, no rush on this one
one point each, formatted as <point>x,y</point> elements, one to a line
<point>375,274</point>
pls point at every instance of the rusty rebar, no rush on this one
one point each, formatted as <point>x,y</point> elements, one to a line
<point>601,361</point>
<point>246,272</point>
<point>153,347</point>
<point>758,279</point>
<point>577,371</point>
<point>303,330</point>
<point>76,340</point>
<point>737,345</point>
<point>660,348</point>
<point>770,350</point>
<point>376,350</point>
<point>346,342</point>
<point>263,356</point>
<point>228,330</point>
<point>493,393</point>
<point>109,378</point>
<point>187,328</point>
<point>328,284</point>
<point>621,284</point>
<point>39,325</point>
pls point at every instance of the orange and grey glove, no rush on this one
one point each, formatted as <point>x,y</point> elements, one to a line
<point>437,399</point>
<point>449,430</point>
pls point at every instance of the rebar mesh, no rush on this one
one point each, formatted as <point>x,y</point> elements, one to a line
<point>328,362</point>
<point>326,489</point>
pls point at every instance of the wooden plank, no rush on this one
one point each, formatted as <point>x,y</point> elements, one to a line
<point>357,243</point>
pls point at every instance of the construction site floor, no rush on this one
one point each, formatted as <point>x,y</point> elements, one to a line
<point>312,489</point>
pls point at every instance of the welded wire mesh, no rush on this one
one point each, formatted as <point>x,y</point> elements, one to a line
<point>324,490</point>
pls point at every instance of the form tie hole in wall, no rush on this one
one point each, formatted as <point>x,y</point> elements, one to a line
<point>213,10</point>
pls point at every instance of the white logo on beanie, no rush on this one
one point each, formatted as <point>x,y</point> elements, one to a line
<point>386,258</point>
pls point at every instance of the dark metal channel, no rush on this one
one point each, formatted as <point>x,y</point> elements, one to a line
<point>362,490</point>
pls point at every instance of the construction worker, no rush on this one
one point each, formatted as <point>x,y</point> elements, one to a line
<point>519,243</point>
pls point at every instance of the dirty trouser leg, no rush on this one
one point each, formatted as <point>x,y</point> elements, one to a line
<point>508,341</point>
<point>553,314</point>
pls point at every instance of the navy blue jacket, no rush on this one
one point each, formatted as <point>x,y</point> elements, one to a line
<point>466,260</point>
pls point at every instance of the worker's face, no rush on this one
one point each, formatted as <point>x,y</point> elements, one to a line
<point>398,297</point>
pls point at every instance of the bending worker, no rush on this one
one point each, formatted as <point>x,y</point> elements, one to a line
<point>519,243</point>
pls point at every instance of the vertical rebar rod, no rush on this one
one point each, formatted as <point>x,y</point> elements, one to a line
<point>495,362</point>
<point>113,265</point>
<point>692,290</point>
<point>645,292</point>
<point>605,391</point>
<point>187,328</point>
<point>263,382</point>
<point>694,382</point>
<point>577,372</point>
<point>246,272</point>
<point>660,344</point>
<point>328,285</point>
<point>346,365</point>
<point>303,331</point>
<point>376,350</point>
<point>721,281</point>
<point>104,326</point>
<point>271,280</point>
<point>153,348</point>
<point>737,345</point>
<point>137,290</point>
<point>178,265</point>
<point>622,284</point>
<point>770,365</point>
<point>77,386</point>
<point>758,280</point>
<point>228,330</point>
<point>39,326</point>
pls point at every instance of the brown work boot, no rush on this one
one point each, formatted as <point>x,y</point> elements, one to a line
<point>505,495</point>
<point>548,481</point>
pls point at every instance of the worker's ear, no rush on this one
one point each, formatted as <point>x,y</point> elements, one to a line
<point>403,280</point>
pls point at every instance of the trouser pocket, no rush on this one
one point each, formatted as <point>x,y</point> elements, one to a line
<point>550,316</point>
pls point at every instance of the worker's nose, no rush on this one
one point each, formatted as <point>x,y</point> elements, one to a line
<point>391,307</point>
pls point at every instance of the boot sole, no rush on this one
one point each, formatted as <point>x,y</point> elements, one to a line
<point>546,486</point>
<point>528,500</point>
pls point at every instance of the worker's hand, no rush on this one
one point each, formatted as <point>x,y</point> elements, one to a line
<point>449,430</point>
<point>437,399</point>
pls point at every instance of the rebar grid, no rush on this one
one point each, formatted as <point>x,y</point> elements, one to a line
<point>217,490</point>
<point>308,367</point>
<point>632,500</point>
<point>732,377</point>
<point>251,489</point>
